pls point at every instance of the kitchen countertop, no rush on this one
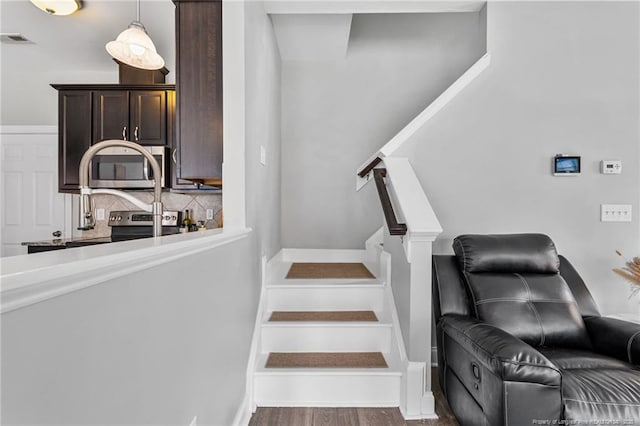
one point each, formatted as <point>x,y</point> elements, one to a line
<point>59,242</point>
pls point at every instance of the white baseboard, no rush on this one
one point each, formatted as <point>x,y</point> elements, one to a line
<point>243,415</point>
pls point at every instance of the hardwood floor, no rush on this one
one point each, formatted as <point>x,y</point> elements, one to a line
<point>309,416</point>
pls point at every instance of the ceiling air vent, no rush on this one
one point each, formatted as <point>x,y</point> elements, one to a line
<point>14,38</point>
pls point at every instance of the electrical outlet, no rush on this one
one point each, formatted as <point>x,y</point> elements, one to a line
<point>209,214</point>
<point>615,212</point>
<point>99,214</point>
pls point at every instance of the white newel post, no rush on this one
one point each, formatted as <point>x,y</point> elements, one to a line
<point>420,401</point>
<point>412,206</point>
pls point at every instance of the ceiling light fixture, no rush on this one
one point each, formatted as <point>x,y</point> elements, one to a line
<point>57,7</point>
<point>135,48</point>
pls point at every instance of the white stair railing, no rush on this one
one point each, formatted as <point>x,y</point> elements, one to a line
<point>410,276</point>
<point>364,171</point>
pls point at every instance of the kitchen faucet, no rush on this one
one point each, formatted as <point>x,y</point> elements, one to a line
<point>87,220</point>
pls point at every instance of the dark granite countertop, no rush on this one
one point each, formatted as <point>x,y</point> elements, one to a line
<point>60,242</point>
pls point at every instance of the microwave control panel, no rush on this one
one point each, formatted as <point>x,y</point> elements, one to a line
<point>142,218</point>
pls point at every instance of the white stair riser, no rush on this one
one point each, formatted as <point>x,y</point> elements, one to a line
<point>324,255</point>
<point>313,390</point>
<point>344,338</point>
<point>325,298</point>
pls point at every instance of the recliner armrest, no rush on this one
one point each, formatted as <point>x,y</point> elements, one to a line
<point>503,354</point>
<point>616,338</point>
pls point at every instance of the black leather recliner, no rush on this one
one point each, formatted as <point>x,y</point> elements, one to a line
<point>521,341</point>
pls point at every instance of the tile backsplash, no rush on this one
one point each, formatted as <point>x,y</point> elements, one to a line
<point>197,204</point>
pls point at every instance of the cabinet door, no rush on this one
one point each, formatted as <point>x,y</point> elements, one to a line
<point>148,119</point>
<point>199,89</point>
<point>176,183</point>
<point>111,115</point>
<point>74,136</point>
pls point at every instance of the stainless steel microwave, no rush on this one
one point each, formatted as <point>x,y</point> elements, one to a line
<point>119,167</point>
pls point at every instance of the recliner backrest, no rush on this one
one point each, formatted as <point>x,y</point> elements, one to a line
<point>513,282</point>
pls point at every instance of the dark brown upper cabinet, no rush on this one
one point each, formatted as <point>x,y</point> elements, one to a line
<point>74,135</point>
<point>90,113</point>
<point>199,91</point>
<point>134,115</point>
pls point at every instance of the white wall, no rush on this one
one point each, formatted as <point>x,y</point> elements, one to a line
<point>262,121</point>
<point>69,49</point>
<point>335,114</point>
<point>563,78</point>
<point>163,346</point>
<point>158,346</point>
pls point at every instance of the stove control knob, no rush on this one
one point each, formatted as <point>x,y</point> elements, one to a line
<point>112,218</point>
<point>167,217</point>
<point>173,217</point>
<point>119,218</point>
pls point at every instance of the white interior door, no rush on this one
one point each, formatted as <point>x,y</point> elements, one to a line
<point>31,207</point>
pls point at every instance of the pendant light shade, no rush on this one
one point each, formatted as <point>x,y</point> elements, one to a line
<point>135,48</point>
<point>57,7</point>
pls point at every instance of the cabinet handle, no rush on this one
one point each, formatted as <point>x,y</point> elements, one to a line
<point>175,159</point>
<point>57,234</point>
<point>135,134</point>
<point>124,133</point>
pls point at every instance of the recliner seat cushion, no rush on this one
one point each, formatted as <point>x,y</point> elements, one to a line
<point>596,387</point>
<point>514,284</point>
<point>601,394</point>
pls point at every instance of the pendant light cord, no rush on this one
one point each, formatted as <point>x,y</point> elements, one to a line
<point>138,12</point>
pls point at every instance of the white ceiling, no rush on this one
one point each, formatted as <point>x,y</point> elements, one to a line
<point>76,42</point>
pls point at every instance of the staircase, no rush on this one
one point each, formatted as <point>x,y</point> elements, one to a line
<point>326,342</point>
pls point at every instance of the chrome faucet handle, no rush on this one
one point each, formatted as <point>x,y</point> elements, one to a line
<point>87,203</point>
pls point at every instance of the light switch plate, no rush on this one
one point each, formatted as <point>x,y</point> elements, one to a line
<point>209,214</point>
<point>615,212</point>
<point>99,214</point>
<point>263,155</point>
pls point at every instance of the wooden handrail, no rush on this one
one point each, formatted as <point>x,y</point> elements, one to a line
<point>395,228</point>
<point>369,167</point>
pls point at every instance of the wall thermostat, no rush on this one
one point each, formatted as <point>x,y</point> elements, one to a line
<point>566,165</point>
<point>611,167</point>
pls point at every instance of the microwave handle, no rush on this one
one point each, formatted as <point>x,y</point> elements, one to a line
<point>145,168</point>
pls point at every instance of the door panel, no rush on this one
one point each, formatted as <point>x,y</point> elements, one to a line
<point>199,89</point>
<point>111,115</point>
<point>31,208</point>
<point>148,117</point>
<point>74,122</point>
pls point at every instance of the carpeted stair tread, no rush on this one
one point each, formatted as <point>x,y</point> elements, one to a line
<point>323,316</point>
<point>326,360</point>
<point>301,270</point>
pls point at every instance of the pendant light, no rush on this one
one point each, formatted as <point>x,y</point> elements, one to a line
<point>135,48</point>
<point>57,7</point>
